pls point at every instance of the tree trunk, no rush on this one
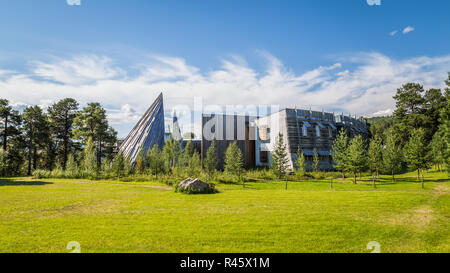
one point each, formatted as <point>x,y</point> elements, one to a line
<point>65,156</point>
<point>418,175</point>
<point>99,156</point>
<point>354,178</point>
<point>29,158</point>
<point>343,173</point>
<point>5,133</point>
<point>35,158</point>
<point>393,177</point>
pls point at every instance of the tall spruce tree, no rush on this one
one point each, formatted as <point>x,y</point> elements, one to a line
<point>194,168</point>
<point>392,153</point>
<point>89,158</point>
<point>300,161</point>
<point>140,161</point>
<point>211,159</point>
<point>437,150</point>
<point>234,162</point>
<point>339,151</point>
<point>316,160</point>
<point>155,161</point>
<point>356,156</point>
<point>279,157</point>
<point>375,155</point>
<point>416,152</point>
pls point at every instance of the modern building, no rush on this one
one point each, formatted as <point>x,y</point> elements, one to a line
<point>256,136</point>
<point>309,131</point>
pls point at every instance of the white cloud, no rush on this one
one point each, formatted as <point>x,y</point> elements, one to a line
<point>383,113</point>
<point>393,33</point>
<point>408,30</point>
<point>73,2</point>
<point>362,84</point>
<point>126,114</point>
<point>80,70</point>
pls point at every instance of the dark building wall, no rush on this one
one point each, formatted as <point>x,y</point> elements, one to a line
<point>226,130</point>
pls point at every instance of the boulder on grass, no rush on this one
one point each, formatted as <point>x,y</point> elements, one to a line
<point>191,185</point>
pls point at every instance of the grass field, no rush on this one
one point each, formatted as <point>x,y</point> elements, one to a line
<point>112,216</point>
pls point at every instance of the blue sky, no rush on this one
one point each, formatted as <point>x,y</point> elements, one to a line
<point>337,55</point>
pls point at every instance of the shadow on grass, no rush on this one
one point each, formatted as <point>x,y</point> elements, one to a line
<point>7,182</point>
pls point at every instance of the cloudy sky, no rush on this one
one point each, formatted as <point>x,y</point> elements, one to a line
<point>343,56</point>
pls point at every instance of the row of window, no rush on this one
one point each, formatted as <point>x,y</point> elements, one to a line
<point>317,127</point>
<point>264,132</point>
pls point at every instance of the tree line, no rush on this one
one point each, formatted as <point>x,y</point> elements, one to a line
<point>48,140</point>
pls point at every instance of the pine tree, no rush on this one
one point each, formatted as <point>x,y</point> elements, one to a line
<point>279,157</point>
<point>36,134</point>
<point>3,163</point>
<point>140,165</point>
<point>444,128</point>
<point>211,159</point>
<point>437,150</point>
<point>72,169</point>
<point>172,153</point>
<point>416,152</point>
<point>118,166</point>
<point>189,149</point>
<point>194,165</point>
<point>375,155</point>
<point>89,158</point>
<point>61,116</point>
<point>392,155</point>
<point>155,161</point>
<point>339,152</point>
<point>300,161</point>
<point>233,160</point>
<point>91,122</point>
<point>356,156</point>
<point>316,160</point>
<point>10,121</point>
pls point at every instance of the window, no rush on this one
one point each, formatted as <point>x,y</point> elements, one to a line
<point>330,132</point>
<point>264,133</point>
<point>304,130</point>
<point>264,157</point>
<point>317,130</point>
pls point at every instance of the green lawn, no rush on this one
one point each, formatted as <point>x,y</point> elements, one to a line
<point>109,216</point>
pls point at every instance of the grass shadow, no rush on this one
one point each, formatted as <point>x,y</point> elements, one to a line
<point>7,182</point>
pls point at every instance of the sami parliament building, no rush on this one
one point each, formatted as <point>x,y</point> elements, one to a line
<point>255,136</point>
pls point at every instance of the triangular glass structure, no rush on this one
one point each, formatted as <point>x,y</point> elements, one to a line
<point>147,132</point>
